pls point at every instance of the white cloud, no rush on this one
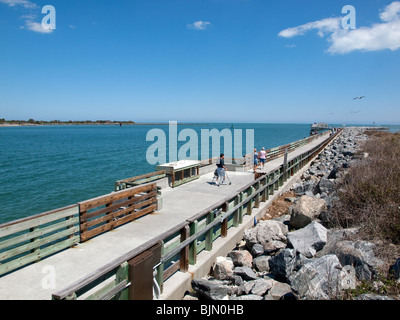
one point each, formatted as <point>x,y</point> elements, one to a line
<point>380,36</point>
<point>29,18</point>
<point>322,26</point>
<point>37,27</point>
<point>24,3</point>
<point>34,26</point>
<point>199,25</point>
<point>391,12</point>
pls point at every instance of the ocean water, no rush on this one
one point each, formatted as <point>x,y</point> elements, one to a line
<point>48,167</point>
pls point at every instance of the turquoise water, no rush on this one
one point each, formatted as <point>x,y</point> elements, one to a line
<point>47,167</point>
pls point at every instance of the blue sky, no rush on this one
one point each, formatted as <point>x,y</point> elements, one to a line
<point>201,61</point>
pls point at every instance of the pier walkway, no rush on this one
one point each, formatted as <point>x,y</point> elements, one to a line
<point>38,281</point>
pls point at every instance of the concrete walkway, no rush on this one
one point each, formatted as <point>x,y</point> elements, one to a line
<point>39,280</point>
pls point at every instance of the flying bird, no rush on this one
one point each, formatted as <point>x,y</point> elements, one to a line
<point>358,98</point>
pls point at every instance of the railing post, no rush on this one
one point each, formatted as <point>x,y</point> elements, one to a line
<point>264,197</point>
<point>224,224</point>
<point>160,269</point>
<point>285,163</point>
<point>193,246</point>
<point>271,186</point>
<point>122,275</point>
<point>184,253</point>
<point>277,178</point>
<point>257,198</point>
<point>240,208</point>
<point>236,214</point>
<point>210,233</point>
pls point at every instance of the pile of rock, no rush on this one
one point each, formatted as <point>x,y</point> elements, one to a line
<point>295,256</point>
<point>321,178</point>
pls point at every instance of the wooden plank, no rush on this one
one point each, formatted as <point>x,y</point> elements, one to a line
<point>179,182</point>
<point>37,243</point>
<point>14,264</point>
<point>142,181</point>
<point>171,244</point>
<point>37,220</point>
<point>105,287</point>
<point>87,234</point>
<point>114,215</point>
<point>125,202</point>
<point>115,290</point>
<point>38,233</point>
<point>143,176</point>
<point>114,196</point>
<point>174,267</point>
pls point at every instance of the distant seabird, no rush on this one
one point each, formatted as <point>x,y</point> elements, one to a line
<point>358,98</point>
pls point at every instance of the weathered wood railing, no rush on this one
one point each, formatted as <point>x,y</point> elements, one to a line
<point>30,239</point>
<point>138,180</point>
<point>181,245</point>
<point>104,213</point>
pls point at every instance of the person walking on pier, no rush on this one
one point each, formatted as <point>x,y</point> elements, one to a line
<point>262,155</point>
<point>255,164</point>
<point>221,169</point>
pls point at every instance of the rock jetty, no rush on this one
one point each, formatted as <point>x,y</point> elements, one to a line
<point>297,255</point>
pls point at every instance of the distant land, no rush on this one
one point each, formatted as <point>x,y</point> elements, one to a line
<point>32,122</point>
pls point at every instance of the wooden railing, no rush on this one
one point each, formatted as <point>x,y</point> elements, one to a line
<point>31,239</point>
<point>181,244</point>
<point>138,180</point>
<point>104,213</point>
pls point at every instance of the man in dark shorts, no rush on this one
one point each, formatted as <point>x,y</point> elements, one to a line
<point>221,169</point>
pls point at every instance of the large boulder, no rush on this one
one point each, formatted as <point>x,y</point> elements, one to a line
<point>305,210</point>
<point>321,279</point>
<point>241,258</point>
<point>360,255</point>
<point>326,185</point>
<point>308,240</point>
<point>245,272</point>
<point>223,268</point>
<point>265,232</point>
<point>278,290</point>
<point>261,263</point>
<point>261,286</point>
<point>334,236</point>
<point>283,264</point>
<point>211,290</point>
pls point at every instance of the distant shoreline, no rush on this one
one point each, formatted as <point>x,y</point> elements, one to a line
<point>93,124</point>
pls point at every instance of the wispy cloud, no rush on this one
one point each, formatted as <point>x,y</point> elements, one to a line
<point>36,27</point>
<point>23,3</point>
<point>30,17</point>
<point>380,36</point>
<point>322,26</point>
<point>199,25</point>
